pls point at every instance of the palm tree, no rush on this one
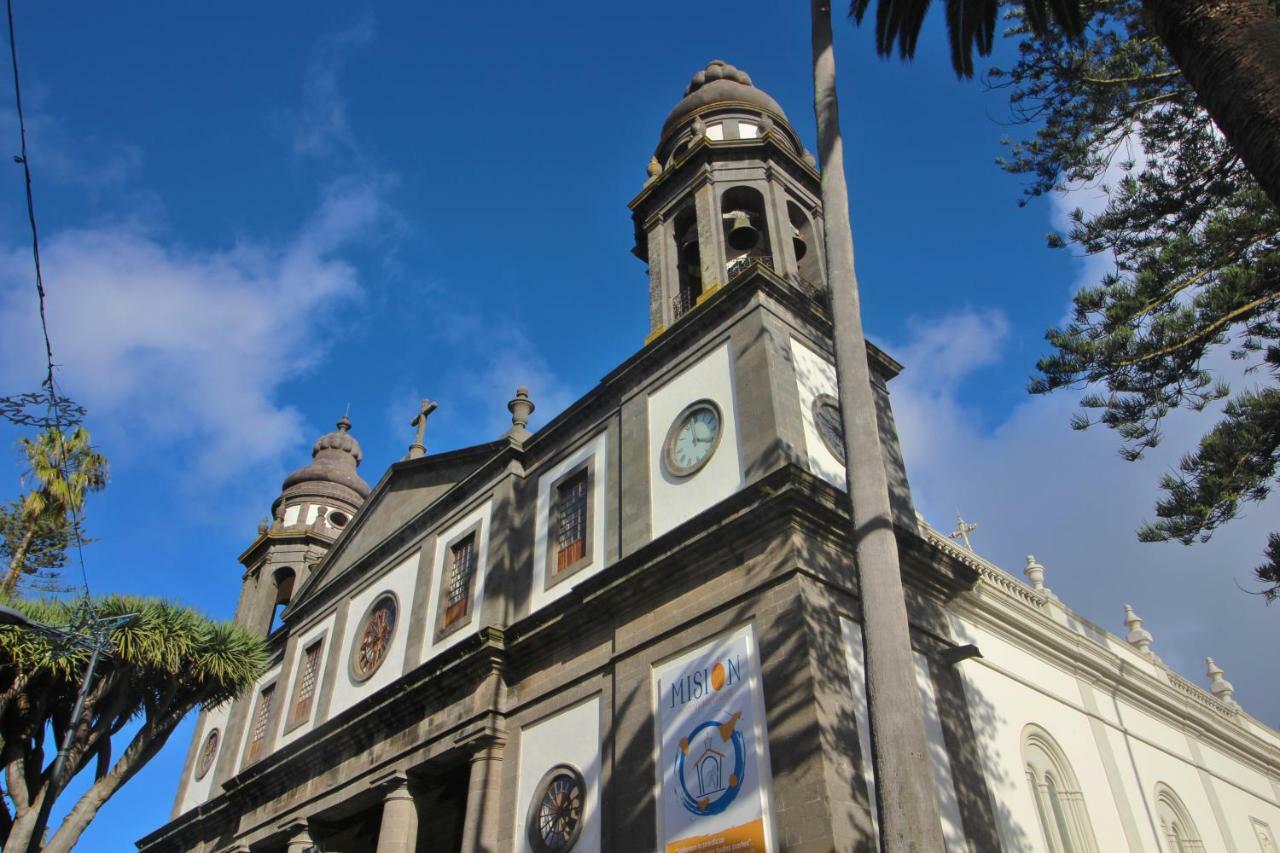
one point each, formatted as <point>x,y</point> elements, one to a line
<point>65,468</point>
<point>165,661</point>
<point>909,817</point>
<point>1229,51</point>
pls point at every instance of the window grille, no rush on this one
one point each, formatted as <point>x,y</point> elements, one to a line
<point>572,535</point>
<point>307,682</point>
<point>260,721</point>
<point>464,568</point>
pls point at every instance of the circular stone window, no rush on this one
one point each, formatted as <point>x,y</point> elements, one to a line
<point>826,418</point>
<point>338,519</point>
<point>208,752</point>
<point>373,639</point>
<point>556,812</point>
<point>692,438</point>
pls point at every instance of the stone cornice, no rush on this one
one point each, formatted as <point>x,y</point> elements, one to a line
<point>1025,617</point>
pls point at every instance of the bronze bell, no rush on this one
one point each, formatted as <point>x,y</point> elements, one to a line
<point>798,243</point>
<point>742,234</point>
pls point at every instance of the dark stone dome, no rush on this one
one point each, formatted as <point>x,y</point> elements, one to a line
<point>334,458</point>
<point>720,82</point>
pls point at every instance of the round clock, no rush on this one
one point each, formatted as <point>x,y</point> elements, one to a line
<point>693,438</point>
<point>826,418</point>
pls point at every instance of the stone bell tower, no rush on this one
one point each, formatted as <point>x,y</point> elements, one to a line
<point>730,186</point>
<point>315,504</point>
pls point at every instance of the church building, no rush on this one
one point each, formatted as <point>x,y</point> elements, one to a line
<point>638,628</point>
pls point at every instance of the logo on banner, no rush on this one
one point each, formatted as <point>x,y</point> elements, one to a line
<point>710,766</point>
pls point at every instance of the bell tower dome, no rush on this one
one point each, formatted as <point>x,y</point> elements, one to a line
<point>315,504</point>
<point>730,187</point>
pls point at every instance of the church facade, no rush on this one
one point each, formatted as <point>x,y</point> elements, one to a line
<point>638,628</point>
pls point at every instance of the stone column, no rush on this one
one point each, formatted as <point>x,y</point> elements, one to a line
<point>480,826</point>
<point>299,837</point>
<point>399,830</point>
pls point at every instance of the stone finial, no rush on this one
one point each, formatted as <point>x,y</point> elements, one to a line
<point>698,129</point>
<point>1219,686</point>
<point>809,159</point>
<point>264,525</point>
<point>1140,638</point>
<point>419,448</point>
<point>520,407</point>
<point>1035,573</point>
<point>654,168</point>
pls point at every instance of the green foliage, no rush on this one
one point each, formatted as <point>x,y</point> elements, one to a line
<point>971,24</point>
<point>45,550</point>
<point>1196,246</point>
<point>36,530</point>
<point>165,662</point>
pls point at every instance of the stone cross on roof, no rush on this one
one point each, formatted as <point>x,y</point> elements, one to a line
<point>962,531</point>
<point>419,448</point>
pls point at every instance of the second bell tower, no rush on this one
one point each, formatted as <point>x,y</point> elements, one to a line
<point>730,186</point>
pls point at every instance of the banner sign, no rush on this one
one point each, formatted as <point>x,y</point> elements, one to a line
<point>713,752</point>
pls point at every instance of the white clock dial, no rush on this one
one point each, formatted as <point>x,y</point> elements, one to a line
<point>693,438</point>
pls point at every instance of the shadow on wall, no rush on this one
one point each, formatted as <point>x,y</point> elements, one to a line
<point>810,713</point>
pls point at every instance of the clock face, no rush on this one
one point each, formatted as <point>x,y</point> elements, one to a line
<point>693,438</point>
<point>826,417</point>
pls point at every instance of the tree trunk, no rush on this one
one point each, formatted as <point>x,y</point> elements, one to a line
<point>909,816</point>
<point>1229,51</point>
<point>16,561</point>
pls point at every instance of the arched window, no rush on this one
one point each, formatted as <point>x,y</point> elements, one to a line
<point>284,579</point>
<point>1059,804</point>
<point>1179,831</point>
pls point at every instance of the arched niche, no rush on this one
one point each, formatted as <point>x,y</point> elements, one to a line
<point>688,260</point>
<point>745,228</point>
<point>804,241</point>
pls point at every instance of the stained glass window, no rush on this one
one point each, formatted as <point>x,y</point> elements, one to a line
<point>306,681</point>
<point>461,572</point>
<point>260,720</point>
<point>208,752</point>
<point>556,813</point>
<point>572,534</point>
<point>375,635</point>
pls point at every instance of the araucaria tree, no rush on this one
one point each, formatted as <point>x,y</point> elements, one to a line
<point>165,662</point>
<point>1228,51</point>
<point>1196,245</point>
<point>37,529</point>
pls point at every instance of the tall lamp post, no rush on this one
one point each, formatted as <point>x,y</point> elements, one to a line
<point>99,643</point>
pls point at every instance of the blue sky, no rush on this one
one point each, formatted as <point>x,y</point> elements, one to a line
<point>256,217</point>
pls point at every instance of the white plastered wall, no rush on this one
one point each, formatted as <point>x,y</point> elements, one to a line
<point>674,500</point>
<point>198,789</point>
<point>1010,687</point>
<point>569,737</point>
<point>816,376</point>
<point>595,451</point>
<point>479,516</point>
<point>400,581</point>
<point>324,628</point>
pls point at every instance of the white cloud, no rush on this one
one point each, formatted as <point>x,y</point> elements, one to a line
<point>1034,486</point>
<point>168,343</point>
<point>323,128</point>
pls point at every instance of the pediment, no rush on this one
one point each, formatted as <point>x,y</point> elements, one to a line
<point>404,492</point>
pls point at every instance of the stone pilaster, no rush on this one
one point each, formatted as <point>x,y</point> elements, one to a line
<point>480,826</point>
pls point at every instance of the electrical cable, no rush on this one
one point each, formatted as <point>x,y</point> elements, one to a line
<point>55,405</point>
